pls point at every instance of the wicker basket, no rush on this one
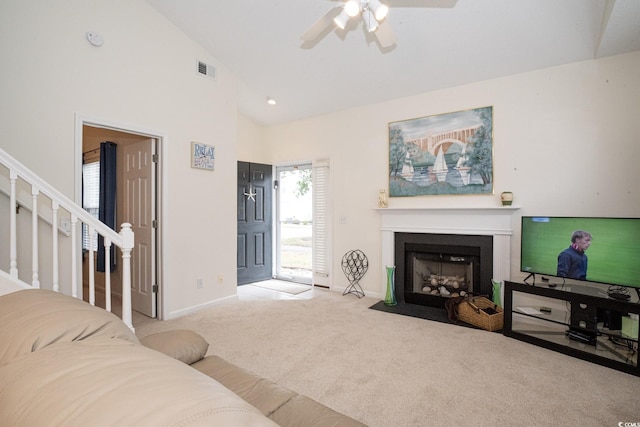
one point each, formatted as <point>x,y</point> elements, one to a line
<point>470,311</point>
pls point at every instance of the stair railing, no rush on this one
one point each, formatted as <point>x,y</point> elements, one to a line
<point>78,216</point>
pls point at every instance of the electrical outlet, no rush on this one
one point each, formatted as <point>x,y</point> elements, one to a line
<point>220,278</point>
<point>199,283</point>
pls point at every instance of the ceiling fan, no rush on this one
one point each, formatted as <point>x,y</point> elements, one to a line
<point>373,14</point>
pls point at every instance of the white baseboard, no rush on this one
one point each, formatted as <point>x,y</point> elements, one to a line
<point>195,308</point>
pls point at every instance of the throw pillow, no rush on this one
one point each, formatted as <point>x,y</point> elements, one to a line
<point>182,344</point>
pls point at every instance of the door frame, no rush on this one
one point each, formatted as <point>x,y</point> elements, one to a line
<point>161,186</point>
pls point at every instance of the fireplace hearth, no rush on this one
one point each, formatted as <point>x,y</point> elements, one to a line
<point>431,268</point>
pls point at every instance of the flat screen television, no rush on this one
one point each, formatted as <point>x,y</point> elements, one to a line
<point>613,257</point>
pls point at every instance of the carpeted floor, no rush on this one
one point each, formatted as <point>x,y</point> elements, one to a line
<point>388,370</point>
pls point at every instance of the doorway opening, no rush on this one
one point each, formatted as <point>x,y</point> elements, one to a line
<point>294,223</point>
<point>137,200</point>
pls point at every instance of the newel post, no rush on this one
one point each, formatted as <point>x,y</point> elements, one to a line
<point>127,245</point>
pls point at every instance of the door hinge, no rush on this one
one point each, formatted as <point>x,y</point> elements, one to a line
<point>154,223</point>
<point>155,288</point>
<point>154,158</point>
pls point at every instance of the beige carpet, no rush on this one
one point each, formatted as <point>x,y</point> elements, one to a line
<point>280,286</point>
<point>390,370</point>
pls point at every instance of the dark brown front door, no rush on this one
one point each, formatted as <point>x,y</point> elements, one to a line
<point>254,222</point>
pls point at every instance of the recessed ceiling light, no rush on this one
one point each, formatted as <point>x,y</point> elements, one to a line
<point>271,101</point>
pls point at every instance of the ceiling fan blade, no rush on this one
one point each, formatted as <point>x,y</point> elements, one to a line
<point>321,24</point>
<point>385,34</point>
<point>422,3</point>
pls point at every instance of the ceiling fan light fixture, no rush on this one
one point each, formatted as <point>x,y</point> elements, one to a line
<point>352,8</point>
<point>370,20</point>
<point>341,20</point>
<point>380,10</point>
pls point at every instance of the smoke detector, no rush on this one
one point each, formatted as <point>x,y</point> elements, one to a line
<point>95,39</point>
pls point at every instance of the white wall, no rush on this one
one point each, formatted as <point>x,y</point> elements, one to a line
<point>252,149</point>
<point>144,76</point>
<point>565,142</point>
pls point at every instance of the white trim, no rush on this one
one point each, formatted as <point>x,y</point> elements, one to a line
<point>163,171</point>
<point>198,307</point>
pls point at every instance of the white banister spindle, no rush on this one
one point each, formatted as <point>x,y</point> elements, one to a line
<point>92,273</point>
<point>74,256</point>
<point>127,245</point>
<point>107,274</point>
<point>55,206</point>
<point>13,241</point>
<point>35,282</point>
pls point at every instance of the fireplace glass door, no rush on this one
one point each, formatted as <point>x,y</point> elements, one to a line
<point>442,274</point>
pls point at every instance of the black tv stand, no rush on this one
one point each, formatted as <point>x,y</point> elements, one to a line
<point>571,323</point>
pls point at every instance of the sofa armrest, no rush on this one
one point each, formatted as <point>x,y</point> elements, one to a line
<point>303,411</point>
<point>285,407</point>
<point>261,393</point>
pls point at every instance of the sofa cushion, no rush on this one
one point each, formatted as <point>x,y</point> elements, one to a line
<point>111,382</point>
<point>182,344</point>
<point>33,319</point>
<point>265,395</point>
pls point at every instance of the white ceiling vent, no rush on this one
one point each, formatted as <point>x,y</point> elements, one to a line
<point>206,70</point>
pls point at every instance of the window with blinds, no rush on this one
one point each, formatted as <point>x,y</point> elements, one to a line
<point>90,199</point>
<point>321,265</point>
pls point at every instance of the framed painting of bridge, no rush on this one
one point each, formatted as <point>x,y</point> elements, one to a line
<point>448,153</point>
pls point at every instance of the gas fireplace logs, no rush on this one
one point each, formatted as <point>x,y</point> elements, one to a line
<point>449,286</point>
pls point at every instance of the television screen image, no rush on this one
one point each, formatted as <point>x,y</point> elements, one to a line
<point>613,256</point>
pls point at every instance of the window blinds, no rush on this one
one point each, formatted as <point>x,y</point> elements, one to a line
<point>321,266</point>
<point>90,199</point>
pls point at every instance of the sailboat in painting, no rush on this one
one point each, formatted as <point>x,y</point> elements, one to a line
<point>440,168</point>
<point>461,168</point>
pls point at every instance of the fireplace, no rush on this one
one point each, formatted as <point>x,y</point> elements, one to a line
<point>430,268</point>
<point>460,227</point>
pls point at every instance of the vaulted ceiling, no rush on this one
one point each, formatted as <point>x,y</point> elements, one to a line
<point>436,48</point>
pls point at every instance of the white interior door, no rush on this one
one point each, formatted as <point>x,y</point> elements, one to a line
<point>140,192</point>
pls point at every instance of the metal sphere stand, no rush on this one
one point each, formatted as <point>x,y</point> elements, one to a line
<point>354,265</point>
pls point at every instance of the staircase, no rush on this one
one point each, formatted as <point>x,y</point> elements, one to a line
<point>51,212</point>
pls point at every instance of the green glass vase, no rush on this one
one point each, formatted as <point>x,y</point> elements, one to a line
<point>390,299</point>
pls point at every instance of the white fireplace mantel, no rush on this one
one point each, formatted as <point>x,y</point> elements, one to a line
<point>493,221</point>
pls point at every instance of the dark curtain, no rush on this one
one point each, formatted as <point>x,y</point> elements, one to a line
<point>107,211</point>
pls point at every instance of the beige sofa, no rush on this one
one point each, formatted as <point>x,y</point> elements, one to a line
<point>66,363</point>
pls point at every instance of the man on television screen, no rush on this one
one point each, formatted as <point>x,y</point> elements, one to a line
<point>572,262</point>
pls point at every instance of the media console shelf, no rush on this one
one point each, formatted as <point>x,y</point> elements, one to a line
<point>595,327</point>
